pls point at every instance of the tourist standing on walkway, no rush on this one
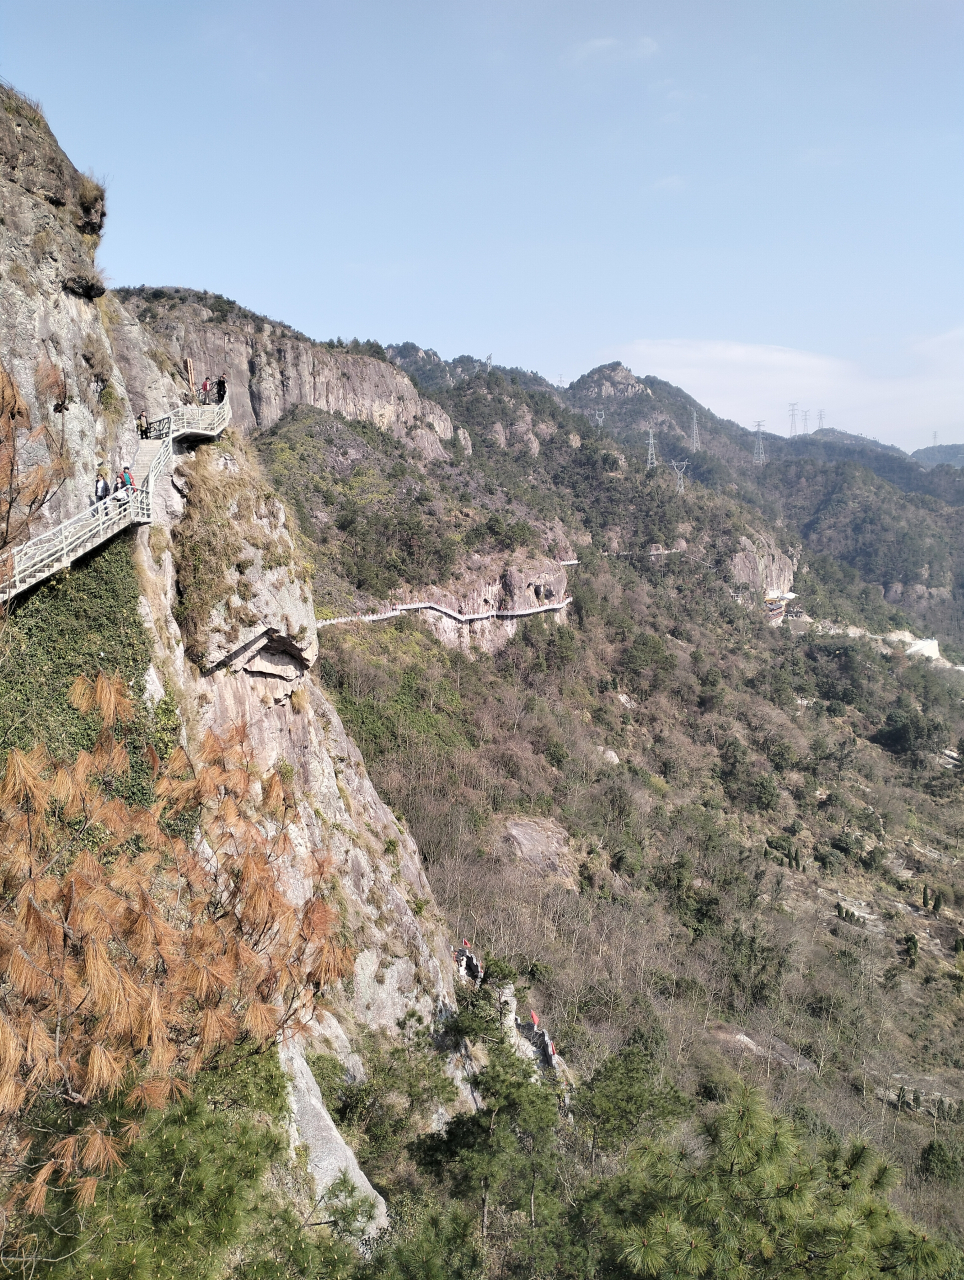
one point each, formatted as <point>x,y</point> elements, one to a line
<point>205,390</point>
<point>222,389</point>
<point>101,488</point>
<point>142,425</point>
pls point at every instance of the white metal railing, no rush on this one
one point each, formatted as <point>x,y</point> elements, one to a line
<point>191,419</point>
<point>58,547</point>
<point>24,566</point>
<point>398,610</point>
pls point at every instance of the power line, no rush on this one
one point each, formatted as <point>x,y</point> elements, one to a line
<point>759,453</point>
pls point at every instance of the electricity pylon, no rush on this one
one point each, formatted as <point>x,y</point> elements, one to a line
<point>759,453</point>
<point>600,416</point>
<point>695,441</point>
<point>679,468</point>
<point>806,421</point>
<point>793,419</point>
<point>651,457</point>
<point>820,420</point>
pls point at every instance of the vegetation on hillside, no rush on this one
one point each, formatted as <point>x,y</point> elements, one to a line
<point>754,861</point>
<point>750,951</point>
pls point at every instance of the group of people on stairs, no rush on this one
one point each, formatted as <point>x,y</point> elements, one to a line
<point>124,486</point>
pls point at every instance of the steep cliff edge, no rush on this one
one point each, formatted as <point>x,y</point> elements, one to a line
<point>220,578</point>
<point>270,367</point>
<point>250,625</point>
<point>55,351</point>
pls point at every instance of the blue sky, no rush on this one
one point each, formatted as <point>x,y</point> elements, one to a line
<point>762,200</point>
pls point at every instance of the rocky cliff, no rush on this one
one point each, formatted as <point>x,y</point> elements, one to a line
<point>403,962</point>
<point>56,358</point>
<point>762,566</point>
<point>269,367</point>
<point>225,598</point>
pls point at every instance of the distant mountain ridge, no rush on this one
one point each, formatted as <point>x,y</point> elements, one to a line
<point>937,455</point>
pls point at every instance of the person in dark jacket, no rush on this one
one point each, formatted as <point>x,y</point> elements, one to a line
<point>222,387</point>
<point>101,488</point>
<point>142,425</point>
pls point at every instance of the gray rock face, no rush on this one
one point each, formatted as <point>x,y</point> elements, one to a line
<point>544,847</point>
<point>271,370</point>
<point>762,566</point>
<point>403,961</point>
<point>55,343</point>
<point>329,1155</point>
<point>266,623</point>
<point>499,582</point>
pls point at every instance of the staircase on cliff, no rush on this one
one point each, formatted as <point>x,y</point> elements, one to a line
<point>24,566</point>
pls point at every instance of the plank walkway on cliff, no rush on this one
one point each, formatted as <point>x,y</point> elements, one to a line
<point>398,610</point>
<point>24,566</point>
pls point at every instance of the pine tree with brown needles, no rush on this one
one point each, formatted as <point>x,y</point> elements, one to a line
<point>128,958</point>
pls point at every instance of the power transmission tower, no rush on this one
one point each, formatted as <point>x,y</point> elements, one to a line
<point>695,442</point>
<point>759,453</point>
<point>793,419</point>
<point>935,439</point>
<point>679,468</point>
<point>600,417</point>
<point>651,457</point>
<point>488,363</point>
<point>806,421</point>
<point>820,420</point>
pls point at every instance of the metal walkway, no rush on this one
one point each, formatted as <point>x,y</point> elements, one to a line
<point>24,566</point>
<point>447,612</point>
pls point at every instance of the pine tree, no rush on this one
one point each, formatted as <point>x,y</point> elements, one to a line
<point>129,961</point>
<point>753,1203</point>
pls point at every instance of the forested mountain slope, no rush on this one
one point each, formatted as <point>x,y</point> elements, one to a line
<point>717,859</point>
<point>663,811</point>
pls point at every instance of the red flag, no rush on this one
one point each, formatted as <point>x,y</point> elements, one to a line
<point>535,1017</point>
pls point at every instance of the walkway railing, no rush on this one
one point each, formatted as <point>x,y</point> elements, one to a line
<point>191,420</point>
<point>24,566</point>
<point>398,610</point>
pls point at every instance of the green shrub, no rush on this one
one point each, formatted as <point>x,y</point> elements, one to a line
<point>942,1162</point>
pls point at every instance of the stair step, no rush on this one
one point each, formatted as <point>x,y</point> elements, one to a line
<point>44,555</point>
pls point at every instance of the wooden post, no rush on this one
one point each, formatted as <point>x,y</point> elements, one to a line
<point>189,368</point>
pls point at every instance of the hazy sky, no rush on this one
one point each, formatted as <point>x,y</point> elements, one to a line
<point>762,200</point>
